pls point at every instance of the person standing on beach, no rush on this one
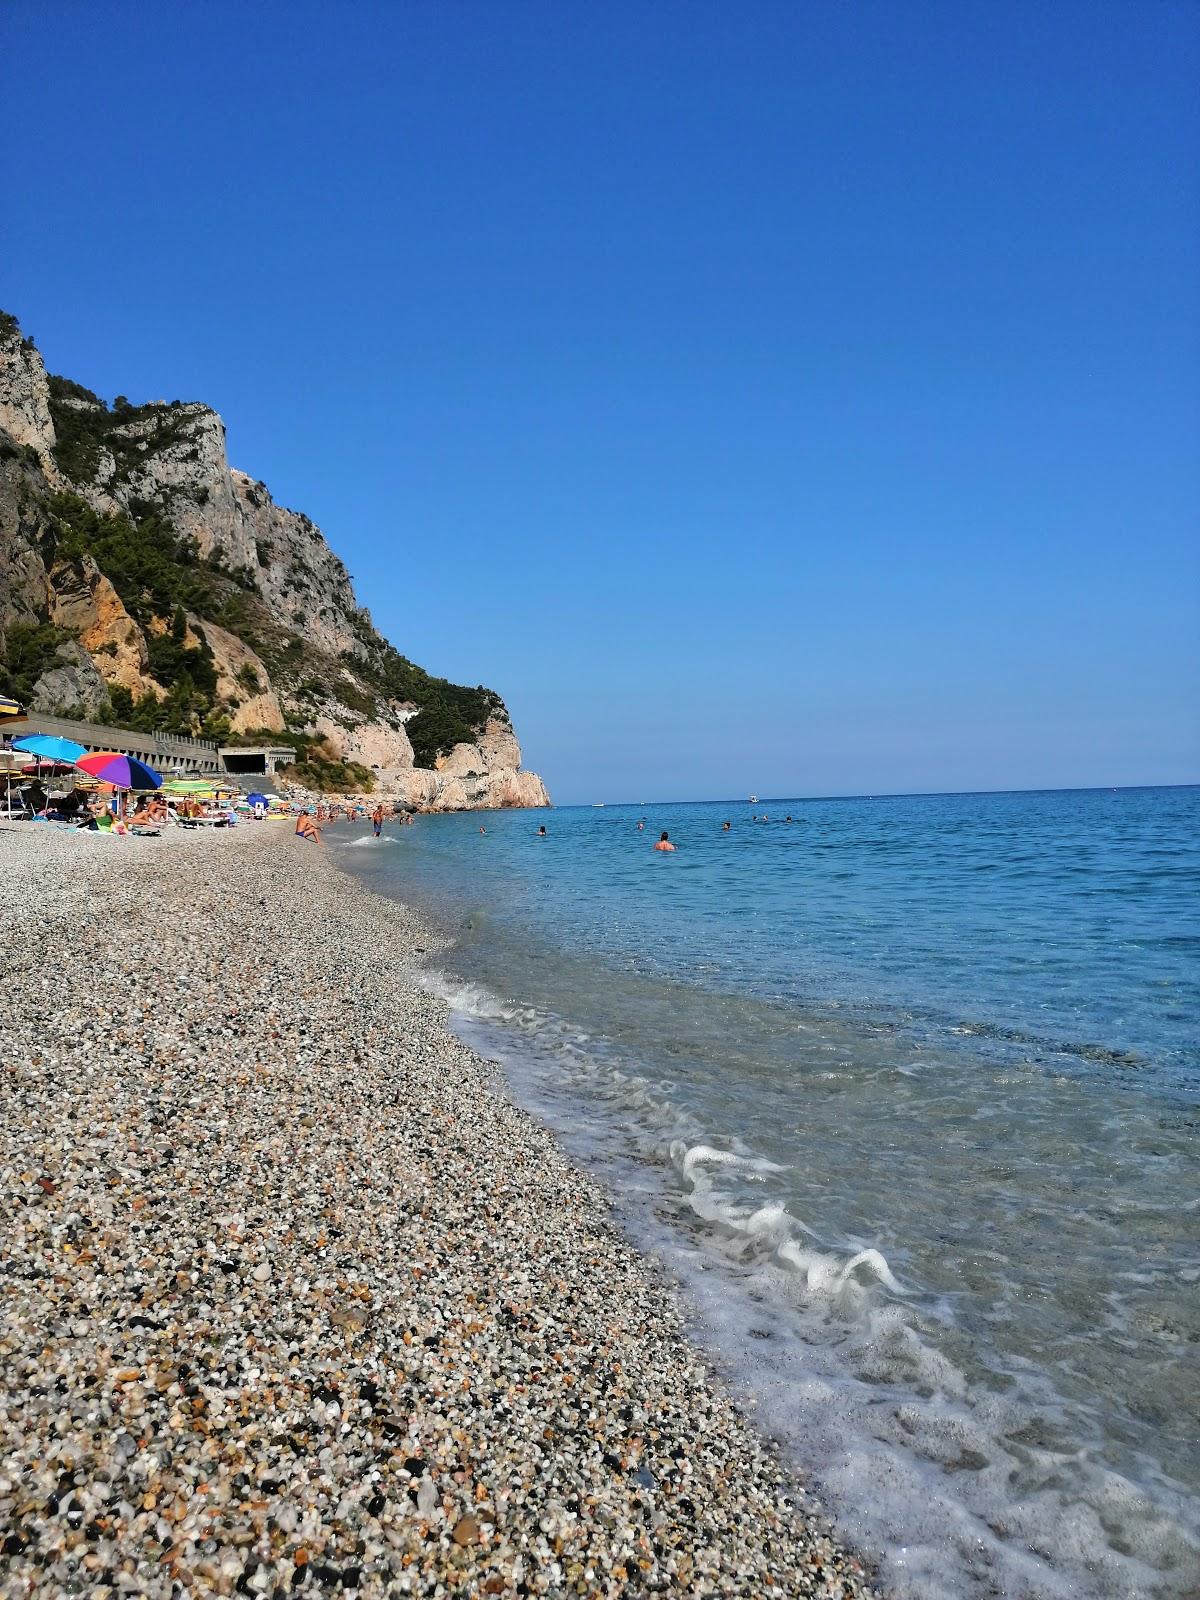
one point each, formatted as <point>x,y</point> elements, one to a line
<point>377,820</point>
<point>664,843</point>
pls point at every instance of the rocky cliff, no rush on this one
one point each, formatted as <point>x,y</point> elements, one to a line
<point>145,582</point>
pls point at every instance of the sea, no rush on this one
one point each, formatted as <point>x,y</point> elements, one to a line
<point>904,1092</point>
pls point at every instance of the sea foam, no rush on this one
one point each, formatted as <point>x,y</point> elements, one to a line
<point>956,1487</point>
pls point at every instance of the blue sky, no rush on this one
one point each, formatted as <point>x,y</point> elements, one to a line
<point>798,398</point>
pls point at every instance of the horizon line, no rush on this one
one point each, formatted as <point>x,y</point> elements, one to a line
<point>888,794</point>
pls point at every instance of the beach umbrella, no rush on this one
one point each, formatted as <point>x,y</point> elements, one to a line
<point>47,769</point>
<point>257,799</point>
<point>49,747</point>
<point>123,772</point>
<point>46,747</point>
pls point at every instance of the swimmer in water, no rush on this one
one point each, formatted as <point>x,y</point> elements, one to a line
<point>483,830</point>
<point>640,826</point>
<point>726,827</point>
<point>664,843</point>
<point>541,833</point>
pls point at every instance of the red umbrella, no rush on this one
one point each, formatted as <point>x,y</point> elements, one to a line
<point>123,772</point>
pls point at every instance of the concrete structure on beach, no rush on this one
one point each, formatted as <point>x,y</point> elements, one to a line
<point>260,758</point>
<point>165,752</point>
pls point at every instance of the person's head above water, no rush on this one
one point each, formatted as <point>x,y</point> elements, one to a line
<point>542,829</point>
<point>726,826</point>
<point>663,834</point>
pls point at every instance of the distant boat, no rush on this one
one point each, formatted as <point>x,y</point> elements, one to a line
<point>753,799</point>
<point>597,805</point>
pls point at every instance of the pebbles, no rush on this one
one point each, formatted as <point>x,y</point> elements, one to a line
<point>295,1301</point>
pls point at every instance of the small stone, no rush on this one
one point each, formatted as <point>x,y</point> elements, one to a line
<point>466,1531</point>
<point>427,1497</point>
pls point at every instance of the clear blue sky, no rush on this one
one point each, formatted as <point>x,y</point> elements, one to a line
<point>799,398</point>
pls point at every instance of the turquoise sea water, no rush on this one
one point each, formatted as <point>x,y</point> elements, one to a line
<point>907,1093</point>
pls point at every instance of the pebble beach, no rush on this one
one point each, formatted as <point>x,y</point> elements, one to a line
<point>295,1300</point>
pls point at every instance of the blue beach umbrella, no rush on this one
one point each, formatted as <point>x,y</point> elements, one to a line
<point>49,747</point>
<point>46,747</point>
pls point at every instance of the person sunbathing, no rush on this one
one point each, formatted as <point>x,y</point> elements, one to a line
<point>149,814</point>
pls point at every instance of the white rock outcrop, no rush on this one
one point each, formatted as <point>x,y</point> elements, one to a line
<point>25,400</point>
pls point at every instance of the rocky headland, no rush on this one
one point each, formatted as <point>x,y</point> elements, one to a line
<point>147,583</point>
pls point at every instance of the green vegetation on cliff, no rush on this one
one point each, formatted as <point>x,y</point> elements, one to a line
<point>450,713</point>
<point>154,571</point>
<point>27,649</point>
<point>86,431</point>
<point>102,451</point>
<point>158,576</point>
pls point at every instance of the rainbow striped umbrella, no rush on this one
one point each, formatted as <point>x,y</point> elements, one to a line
<point>123,772</point>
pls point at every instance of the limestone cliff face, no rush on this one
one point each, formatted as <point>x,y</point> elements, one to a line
<point>289,648</point>
<point>81,600</point>
<point>25,397</point>
<point>487,773</point>
<point>69,679</point>
<point>484,775</point>
<point>297,573</point>
<point>23,526</point>
<point>241,676</point>
<point>175,457</point>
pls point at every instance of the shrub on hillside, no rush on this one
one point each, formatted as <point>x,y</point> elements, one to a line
<point>27,649</point>
<point>333,777</point>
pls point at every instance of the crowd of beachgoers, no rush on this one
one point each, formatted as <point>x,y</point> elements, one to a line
<point>47,780</point>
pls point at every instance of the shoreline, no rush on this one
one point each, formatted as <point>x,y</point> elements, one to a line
<point>298,1300</point>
